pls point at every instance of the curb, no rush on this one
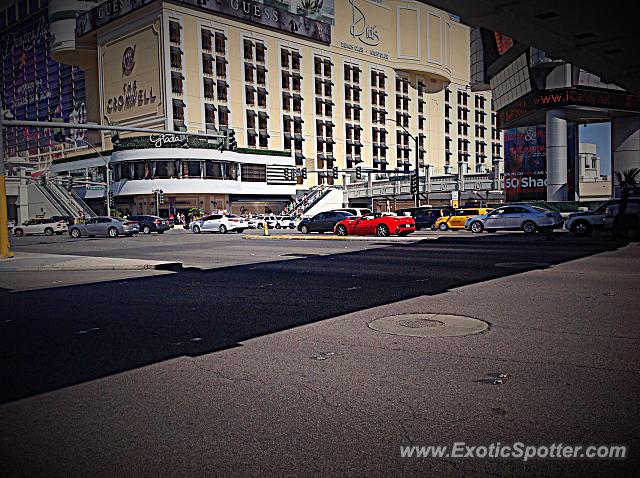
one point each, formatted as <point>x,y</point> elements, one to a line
<point>164,266</point>
<point>335,238</point>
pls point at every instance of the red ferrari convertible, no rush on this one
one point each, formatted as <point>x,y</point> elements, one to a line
<point>377,225</point>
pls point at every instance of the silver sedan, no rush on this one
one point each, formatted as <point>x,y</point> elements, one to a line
<point>105,226</point>
<point>515,217</point>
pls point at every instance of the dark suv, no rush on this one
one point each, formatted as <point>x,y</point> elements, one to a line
<point>149,224</point>
<point>323,222</point>
<point>425,217</point>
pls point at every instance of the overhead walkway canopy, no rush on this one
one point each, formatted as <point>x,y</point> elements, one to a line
<point>601,37</point>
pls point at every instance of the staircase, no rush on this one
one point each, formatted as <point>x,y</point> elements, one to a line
<point>317,199</point>
<point>65,203</point>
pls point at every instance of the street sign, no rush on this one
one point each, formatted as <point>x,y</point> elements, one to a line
<point>455,195</point>
<point>406,177</point>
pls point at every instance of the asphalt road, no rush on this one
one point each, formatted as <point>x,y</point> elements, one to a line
<point>214,371</point>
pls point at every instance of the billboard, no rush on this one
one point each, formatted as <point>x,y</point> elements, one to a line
<point>131,76</point>
<point>35,87</point>
<point>525,165</point>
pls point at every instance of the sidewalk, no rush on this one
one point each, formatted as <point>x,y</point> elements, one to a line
<point>35,262</point>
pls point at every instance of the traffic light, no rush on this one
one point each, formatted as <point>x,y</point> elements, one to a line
<point>58,133</point>
<point>335,172</point>
<point>233,143</point>
<point>358,172</point>
<point>304,173</point>
<point>161,196</point>
<point>414,184</point>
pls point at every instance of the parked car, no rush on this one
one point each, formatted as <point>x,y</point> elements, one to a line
<point>376,224</point>
<point>457,219</point>
<point>271,221</point>
<point>516,217</point>
<point>284,222</point>
<point>252,222</point>
<point>105,226</point>
<point>322,222</point>
<point>425,217</point>
<point>356,211</point>
<point>584,223</point>
<point>48,227</point>
<point>630,220</point>
<point>149,224</point>
<point>219,223</point>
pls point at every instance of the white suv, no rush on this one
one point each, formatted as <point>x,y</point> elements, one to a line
<point>40,226</point>
<point>220,223</point>
<point>285,222</point>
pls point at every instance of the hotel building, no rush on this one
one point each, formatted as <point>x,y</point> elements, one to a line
<point>350,83</point>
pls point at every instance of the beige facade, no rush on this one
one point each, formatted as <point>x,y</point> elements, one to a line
<point>390,66</point>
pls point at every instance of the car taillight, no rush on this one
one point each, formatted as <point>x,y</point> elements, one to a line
<point>130,223</point>
<point>157,221</point>
<point>233,220</point>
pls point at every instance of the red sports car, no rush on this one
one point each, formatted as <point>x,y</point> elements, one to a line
<point>375,224</point>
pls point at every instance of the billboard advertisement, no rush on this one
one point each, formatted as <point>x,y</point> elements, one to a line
<point>34,87</point>
<point>525,165</point>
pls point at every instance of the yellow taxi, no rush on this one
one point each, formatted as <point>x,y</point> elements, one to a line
<point>457,218</point>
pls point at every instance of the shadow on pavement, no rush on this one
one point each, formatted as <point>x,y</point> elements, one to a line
<point>54,338</point>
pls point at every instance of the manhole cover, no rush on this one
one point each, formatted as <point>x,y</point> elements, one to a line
<point>420,323</point>
<point>429,325</point>
<point>520,265</point>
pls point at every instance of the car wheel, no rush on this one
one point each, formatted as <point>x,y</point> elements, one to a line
<point>382,230</point>
<point>112,232</point>
<point>304,230</point>
<point>196,229</point>
<point>476,227</point>
<point>433,227</point>
<point>443,226</point>
<point>291,226</point>
<point>146,230</point>
<point>277,226</point>
<point>48,231</point>
<point>529,227</point>
<point>75,233</point>
<point>18,232</point>
<point>160,232</point>
<point>223,229</point>
<point>581,228</point>
<point>341,230</point>
<point>239,231</point>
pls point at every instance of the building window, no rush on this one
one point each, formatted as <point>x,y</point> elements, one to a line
<point>253,173</point>
<point>175,34</point>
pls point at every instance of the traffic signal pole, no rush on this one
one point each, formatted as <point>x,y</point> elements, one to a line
<point>4,219</point>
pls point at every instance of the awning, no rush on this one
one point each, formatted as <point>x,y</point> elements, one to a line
<point>297,96</point>
<point>209,107</point>
<point>298,137</point>
<point>299,156</point>
<point>223,109</point>
<point>320,139</point>
<point>327,81</point>
<point>264,134</point>
<point>358,127</point>
<point>177,74</point>
<point>295,74</point>
<point>249,65</point>
<point>221,59</point>
<point>286,73</point>
<point>222,83</point>
<point>286,94</point>
<point>297,119</point>
<point>262,114</point>
<point>262,90</point>
<point>251,113</point>
<point>252,132</point>
<point>178,103</point>
<point>262,68</point>
<point>288,136</point>
<point>250,88</point>
<point>207,56</point>
<point>330,141</point>
<point>286,118</point>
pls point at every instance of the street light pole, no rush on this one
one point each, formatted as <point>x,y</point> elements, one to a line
<point>416,196</point>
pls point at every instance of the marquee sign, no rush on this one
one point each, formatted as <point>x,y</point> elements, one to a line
<point>245,10</point>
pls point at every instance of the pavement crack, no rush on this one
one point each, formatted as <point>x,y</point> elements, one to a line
<point>323,398</point>
<point>229,378</point>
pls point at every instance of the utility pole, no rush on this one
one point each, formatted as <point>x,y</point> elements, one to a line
<point>4,220</point>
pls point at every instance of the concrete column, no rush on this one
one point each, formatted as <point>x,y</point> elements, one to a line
<point>556,156</point>
<point>625,145</point>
